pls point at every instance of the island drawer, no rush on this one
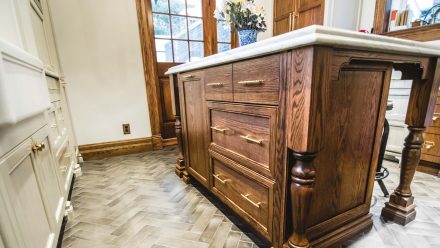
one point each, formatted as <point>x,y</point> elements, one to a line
<point>432,144</point>
<point>244,191</point>
<point>245,134</point>
<point>218,83</point>
<point>257,80</point>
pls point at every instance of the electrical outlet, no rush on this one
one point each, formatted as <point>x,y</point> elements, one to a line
<point>126,128</point>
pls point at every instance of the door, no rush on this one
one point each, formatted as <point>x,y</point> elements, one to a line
<point>195,125</point>
<point>284,10</point>
<point>18,180</point>
<point>184,31</point>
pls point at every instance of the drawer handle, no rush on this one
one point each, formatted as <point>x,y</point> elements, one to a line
<point>250,139</point>
<point>38,147</point>
<point>188,77</point>
<point>223,181</point>
<point>428,145</point>
<point>53,125</point>
<point>246,197</point>
<point>215,84</point>
<point>219,129</point>
<point>436,116</point>
<point>251,82</point>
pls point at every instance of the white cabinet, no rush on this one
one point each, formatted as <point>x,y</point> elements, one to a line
<point>23,172</point>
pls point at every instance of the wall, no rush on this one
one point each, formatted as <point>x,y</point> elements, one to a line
<point>268,7</point>
<point>367,14</point>
<point>99,47</point>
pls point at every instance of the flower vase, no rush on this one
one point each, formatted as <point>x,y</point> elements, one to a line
<point>247,36</point>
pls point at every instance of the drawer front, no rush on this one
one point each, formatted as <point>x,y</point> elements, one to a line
<point>218,83</point>
<point>249,196</point>
<point>246,134</point>
<point>432,144</point>
<point>257,80</point>
<point>436,117</point>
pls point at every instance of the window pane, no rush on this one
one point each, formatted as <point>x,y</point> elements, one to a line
<point>179,27</point>
<point>223,32</point>
<point>196,50</point>
<point>195,7</point>
<point>161,26</point>
<point>223,47</point>
<point>178,7</point>
<point>195,26</point>
<point>181,53</point>
<point>164,51</point>
<point>160,6</point>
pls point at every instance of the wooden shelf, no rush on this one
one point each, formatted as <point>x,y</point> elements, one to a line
<point>422,33</point>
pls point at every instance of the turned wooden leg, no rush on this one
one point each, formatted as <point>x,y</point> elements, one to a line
<point>401,207</point>
<point>301,189</point>
<point>180,165</point>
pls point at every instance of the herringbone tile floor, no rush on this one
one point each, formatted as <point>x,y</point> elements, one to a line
<point>137,201</point>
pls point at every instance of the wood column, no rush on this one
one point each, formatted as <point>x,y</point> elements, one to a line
<point>426,80</point>
<point>180,164</point>
<point>301,188</point>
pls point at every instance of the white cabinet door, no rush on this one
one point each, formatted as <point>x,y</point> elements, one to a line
<point>48,178</point>
<point>22,195</point>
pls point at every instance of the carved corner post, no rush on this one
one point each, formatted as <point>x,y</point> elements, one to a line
<point>301,187</point>
<point>306,102</point>
<point>180,165</point>
<point>401,207</point>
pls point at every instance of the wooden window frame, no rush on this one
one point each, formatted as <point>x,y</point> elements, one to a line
<point>148,48</point>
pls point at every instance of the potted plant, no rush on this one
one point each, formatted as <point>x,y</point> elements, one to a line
<point>243,16</point>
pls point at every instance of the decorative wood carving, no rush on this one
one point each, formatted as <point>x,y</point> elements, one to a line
<point>302,178</point>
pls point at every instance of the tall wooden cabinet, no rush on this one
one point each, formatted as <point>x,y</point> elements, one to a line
<point>294,14</point>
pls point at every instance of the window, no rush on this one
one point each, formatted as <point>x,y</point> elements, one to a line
<point>223,33</point>
<point>178,30</point>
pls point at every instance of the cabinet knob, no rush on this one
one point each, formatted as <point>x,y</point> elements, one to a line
<point>38,147</point>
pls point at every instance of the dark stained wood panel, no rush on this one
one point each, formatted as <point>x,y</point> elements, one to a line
<point>347,140</point>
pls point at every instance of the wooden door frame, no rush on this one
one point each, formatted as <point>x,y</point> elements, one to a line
<point>149,60</point>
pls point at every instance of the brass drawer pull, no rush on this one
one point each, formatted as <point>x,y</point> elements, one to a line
<point>251,82</point>
<point>215,84</point>
<point>428,145</point>
<point>250,139</point>
<point>38,147</point>
<point>223,181</point>
<point>436,116</point>
<point>219,129</point>
<point>246,197</point>
<point>188,77</point>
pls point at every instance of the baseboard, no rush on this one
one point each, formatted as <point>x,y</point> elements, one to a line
<point>169,142</point>
<point>115,148</point>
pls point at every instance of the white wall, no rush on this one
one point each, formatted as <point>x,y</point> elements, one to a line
<point>367,14</point>
<point>99,47</point>
<point>268,7</point>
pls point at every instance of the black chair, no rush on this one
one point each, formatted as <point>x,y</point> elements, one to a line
<point>382,172</point>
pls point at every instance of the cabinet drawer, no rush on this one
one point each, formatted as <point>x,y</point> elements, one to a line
<point>245,133</point>
<point>257,80</point>
<point>436,117</point>
<point>218,83</point>
<point>432,144</point>
<point>250,196</point>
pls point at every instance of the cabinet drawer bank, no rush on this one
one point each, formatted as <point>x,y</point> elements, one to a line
<point>286,131</point>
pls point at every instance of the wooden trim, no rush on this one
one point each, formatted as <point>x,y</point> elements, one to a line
<point>169,142</point>
<point>381,16</point>
<point>115,148</point>
<point>422,33</point>
<point>146,33</point>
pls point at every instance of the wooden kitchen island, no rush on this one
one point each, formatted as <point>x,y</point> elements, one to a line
<point>287,131</point>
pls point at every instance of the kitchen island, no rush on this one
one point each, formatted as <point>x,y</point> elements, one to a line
<point>287,131</point>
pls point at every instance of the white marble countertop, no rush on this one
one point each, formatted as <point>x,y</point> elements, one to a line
<point>314,35</point>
